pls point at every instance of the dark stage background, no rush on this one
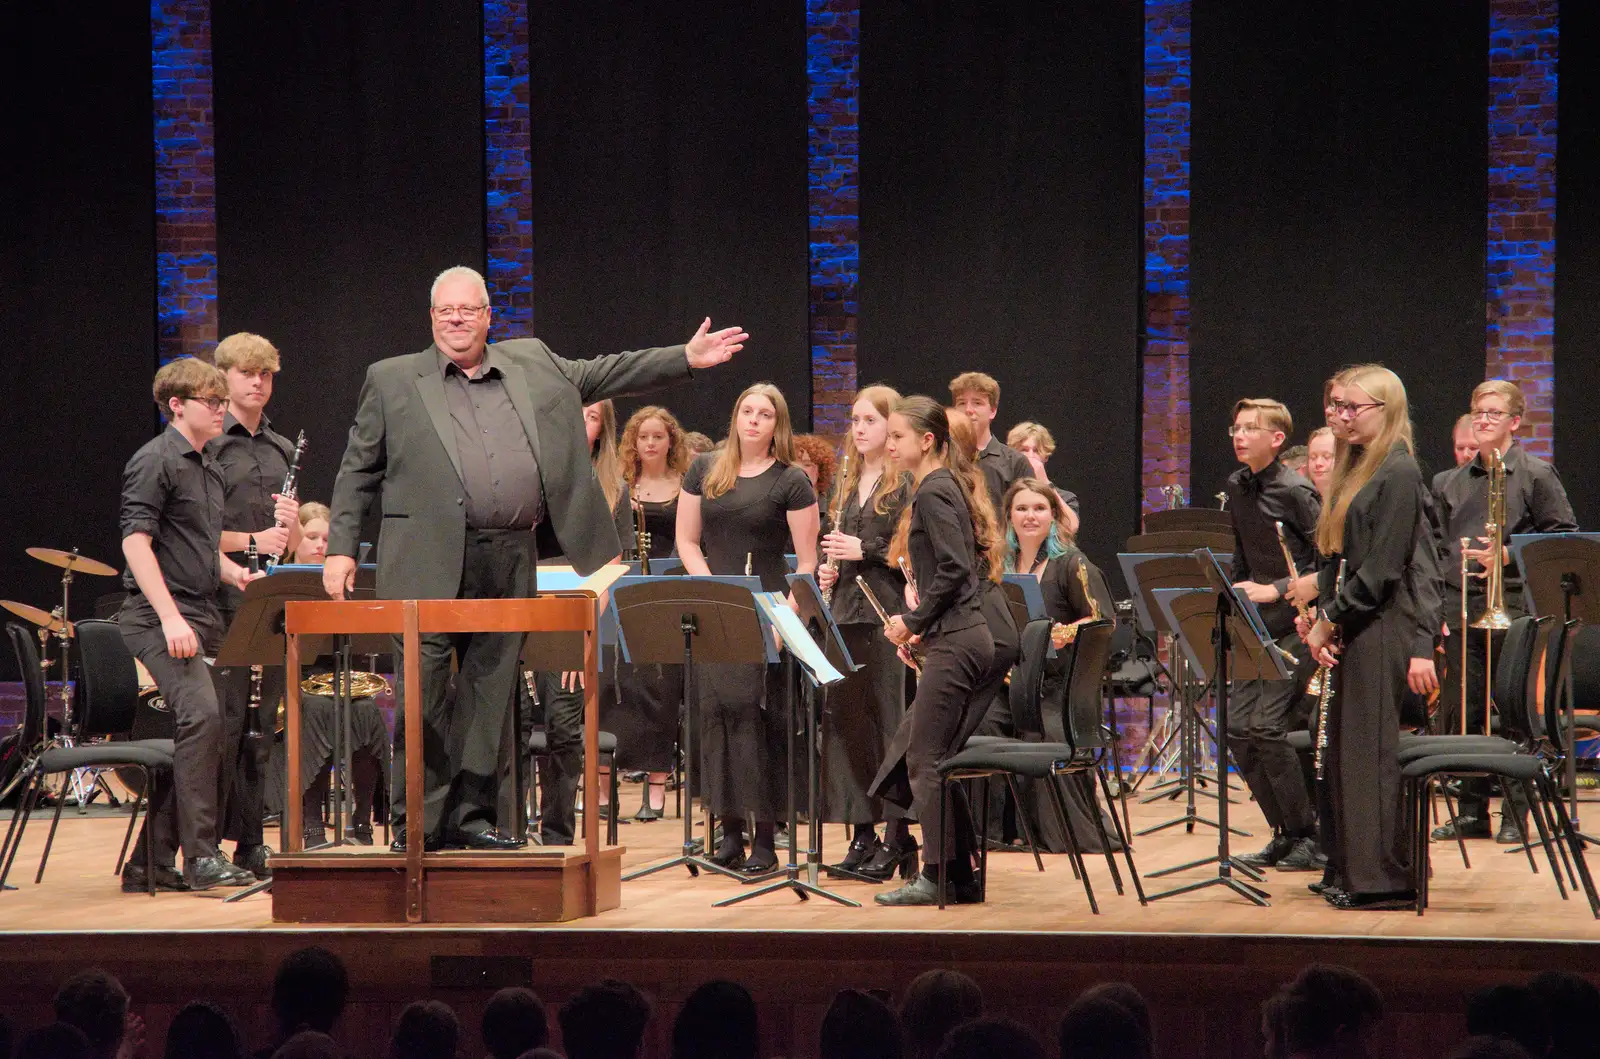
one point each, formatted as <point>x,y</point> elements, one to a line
<point>1001,150</point>
<point>669,184</point>
<point>1578,260</point>
<point>1337,209</point>
<point>77,287</point>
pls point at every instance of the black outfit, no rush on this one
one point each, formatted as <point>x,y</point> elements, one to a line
<point>369,759</point>
<point>741,709</point>
<point>644,716</point>
<point>864,711</point>
<point>1536,502</point>
<point>254,467</point>
<point>1261,713</point>
<point>959,653</point>
<point>174,493</point>
<point>1001,465</point>
<point>1376,616</point>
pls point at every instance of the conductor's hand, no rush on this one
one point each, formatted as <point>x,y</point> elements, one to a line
<point>709,348</point>
<point>338,575</point>
<point>181,640</point>
<point>1421,677</point>
<point>896,631</point>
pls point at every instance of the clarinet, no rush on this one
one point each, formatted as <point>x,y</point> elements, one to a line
<point>1325,699</point>
<point>291,488</point>
<point>252,712</point>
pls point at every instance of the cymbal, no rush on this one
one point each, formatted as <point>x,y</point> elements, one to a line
<point>72,561</point>
<point>38,617</point>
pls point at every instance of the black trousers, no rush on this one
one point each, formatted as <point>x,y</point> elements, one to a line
<point>183,807</point>
<point>562,766</point>
<point>952,672</point>
<point>463,733</point>
<point>1475,792</point>
<point>244,759</point>
<point>1261,714</point>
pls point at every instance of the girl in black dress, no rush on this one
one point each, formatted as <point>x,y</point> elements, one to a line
<point>1371,521</point>
<point>737,512</point>
<point>864,711</point>
<point>950,544</point>
<point>654,458</point>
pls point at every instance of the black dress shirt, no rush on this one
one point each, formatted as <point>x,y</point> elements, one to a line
<point>1255,502</point>
<point>498,468</point>
<point>174,493</point>
<point>875,530</point>
<point>1001,465</point>
<point>1381,529</point>
<point>253,468</point>
<point>943,558</point>
<point>1535,503</point>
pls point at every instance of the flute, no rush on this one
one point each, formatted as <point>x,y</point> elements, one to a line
<point>837,512</point>
<point>883,616</point>
<point>1326,698</point>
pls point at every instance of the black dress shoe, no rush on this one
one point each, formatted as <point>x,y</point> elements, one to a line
<point>430,843</point>
<point>1272,853</point>
<point>889,860</point>
<point>1396,901</point>
<point>1508,835</point>
<point>1303,857</point>
<point>314,837</point>
<point>489,838</point>
<point>729,854</point>
<point>360,834</point>
<point>861,848</point>
<point>168,878</point>
<point>253,859</point>
<point>1470,826</point>
<point>760,861</point>
<point>207,873</point>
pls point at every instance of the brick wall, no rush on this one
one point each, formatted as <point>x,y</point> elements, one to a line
<point>508,167</point>
<point>186,214</point>
<point>833,84</point>
<point>1164,440</point>
<point>1521,252</point>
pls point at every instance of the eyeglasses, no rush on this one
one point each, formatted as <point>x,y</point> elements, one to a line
<point>216,404</point>
<point>468,312</point>
<point>1349,410</point>
<point>1236,430</point>
<point>1489,415</point>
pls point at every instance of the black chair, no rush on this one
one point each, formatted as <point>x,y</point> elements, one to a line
<point>538,749</point>
<point>1551,736</point>
<point>1080,746</point>
<point>107,705</point>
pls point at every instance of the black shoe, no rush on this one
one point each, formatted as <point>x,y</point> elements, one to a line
<point>889,860</point>
<point>430,844</point>
<point>207,873</point>
<point>1303,857</point>
<point>1321,887</point>
<point>135,881</point>
<point>491,838</point>
<point>1508,835</point>
<point>1469,825</point>
<point>360,834</point>
<point>729,855</point>
<point>1280,847</point>
<point>1397,901</point>
<point>314,837</point>
<point>760,861</point>
<point>861,848</point>
<point>253,859</point>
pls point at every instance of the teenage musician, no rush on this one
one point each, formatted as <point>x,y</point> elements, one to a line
<point>865,710</point>
<point>738,510</point>
<point>1036,444</point>
<point>1319,459</point>
<point>1463,445</point>
<point>977,395</point>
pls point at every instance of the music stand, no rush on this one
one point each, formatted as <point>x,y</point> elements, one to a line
<point>820,627</point>
<point>1241,649</point>
<point>1564,566</point>
<point>678,621</point>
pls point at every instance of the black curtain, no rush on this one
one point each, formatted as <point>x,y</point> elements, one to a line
<point>77,286</point>
<point>1578,260</point>
<point>1000,225</point>
<point>669,184</point>
<point>349,173</point>
<point>1338,209</point>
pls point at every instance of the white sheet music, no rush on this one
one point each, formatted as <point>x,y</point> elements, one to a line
<point>797,639</point>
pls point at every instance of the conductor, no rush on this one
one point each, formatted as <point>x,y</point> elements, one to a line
<point>470,449</point>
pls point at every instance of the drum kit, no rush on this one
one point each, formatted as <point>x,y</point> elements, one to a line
<point>57,623</point>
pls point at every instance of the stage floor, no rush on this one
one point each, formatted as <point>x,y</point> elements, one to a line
<point>1497,899</point>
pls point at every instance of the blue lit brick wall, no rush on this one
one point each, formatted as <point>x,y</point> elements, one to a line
<point>508,166</point>
<point>186,214</point>
<point>1521,257</point>
<point>833,87</point>
<point>1165,389</point>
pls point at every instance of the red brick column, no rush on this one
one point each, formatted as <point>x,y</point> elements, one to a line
<point>833,85</point>
<point>508,167</point>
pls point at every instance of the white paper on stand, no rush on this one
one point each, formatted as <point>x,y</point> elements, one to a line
<point>797,639</point>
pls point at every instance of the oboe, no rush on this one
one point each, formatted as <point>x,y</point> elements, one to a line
<point>1325,699</point>
<point>291,488</point>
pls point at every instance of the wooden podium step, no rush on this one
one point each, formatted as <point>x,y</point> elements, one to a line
<point>538,886</point>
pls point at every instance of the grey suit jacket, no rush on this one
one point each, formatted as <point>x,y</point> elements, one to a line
<point>402,451</point>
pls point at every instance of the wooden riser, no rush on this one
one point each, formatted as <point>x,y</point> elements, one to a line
<point>541,887</point>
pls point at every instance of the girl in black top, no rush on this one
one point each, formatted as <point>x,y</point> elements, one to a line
<point>1371,521</point>
<point>736,514</point>
<point>949,546</point>
<point>864,711</point>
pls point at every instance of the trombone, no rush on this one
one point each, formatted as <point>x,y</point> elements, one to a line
<point>1494,617</point>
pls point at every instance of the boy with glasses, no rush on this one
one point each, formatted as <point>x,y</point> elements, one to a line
<point>172,499</point>
<point>1261,712</point>
<point>1536,502</point>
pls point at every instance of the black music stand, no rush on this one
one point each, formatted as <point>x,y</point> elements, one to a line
<point>681,621</point>
<point>1241,649</point>
<point>819,623</point>
<point>1565,567</point>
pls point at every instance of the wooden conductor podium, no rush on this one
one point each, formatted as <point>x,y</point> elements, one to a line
<point>535,885</point>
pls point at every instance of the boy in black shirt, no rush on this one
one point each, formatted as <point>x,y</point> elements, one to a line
<point>171,522</point>
<point>1261,493</point>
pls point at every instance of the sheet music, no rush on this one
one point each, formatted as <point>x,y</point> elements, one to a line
<point>797,639</point>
